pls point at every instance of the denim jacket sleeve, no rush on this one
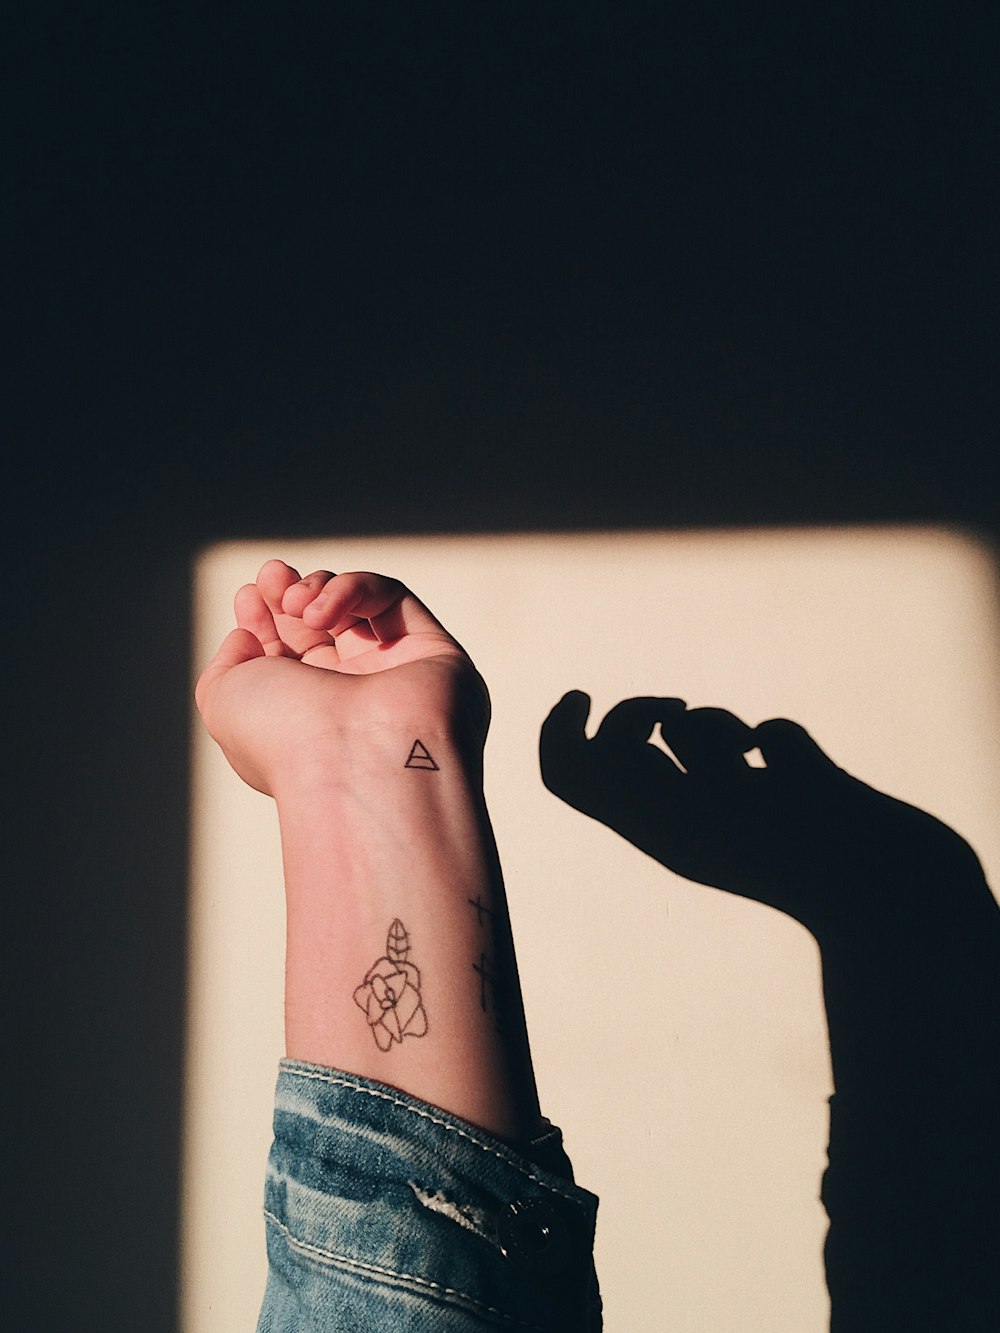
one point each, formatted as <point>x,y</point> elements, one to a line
<point>384,1213</point>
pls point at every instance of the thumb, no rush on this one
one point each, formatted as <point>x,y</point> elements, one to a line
<point>562,739</point>
<point>237,647</point>
<point>788,748</point>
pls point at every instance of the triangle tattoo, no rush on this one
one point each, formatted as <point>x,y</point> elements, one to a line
<point>420,757</point>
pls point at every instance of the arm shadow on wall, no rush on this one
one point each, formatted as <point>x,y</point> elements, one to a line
<point>909,936</point>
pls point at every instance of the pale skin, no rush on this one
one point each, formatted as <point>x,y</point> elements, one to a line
<point>316,699</point>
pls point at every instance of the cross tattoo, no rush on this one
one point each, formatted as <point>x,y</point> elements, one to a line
<point>480,908</point>
<point>486,978</point>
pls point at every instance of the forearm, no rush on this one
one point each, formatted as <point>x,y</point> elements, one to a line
<point>910,982</point>
<point>912,1004</point>
<point>367,842</point>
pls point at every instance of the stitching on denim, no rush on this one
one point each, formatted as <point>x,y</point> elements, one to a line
<point>363,1267</point>
<point>425,1115</point>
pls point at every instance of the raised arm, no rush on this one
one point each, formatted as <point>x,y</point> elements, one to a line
<point>346,700</point>
<point>412,1182</point>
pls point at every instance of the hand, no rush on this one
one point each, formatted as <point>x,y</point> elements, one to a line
<point>319,667</point>
<point>800,834</point>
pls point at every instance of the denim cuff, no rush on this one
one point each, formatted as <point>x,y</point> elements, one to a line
<point>386,1213</point>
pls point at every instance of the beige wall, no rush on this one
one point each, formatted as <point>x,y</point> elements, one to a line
<point>678,1032</point>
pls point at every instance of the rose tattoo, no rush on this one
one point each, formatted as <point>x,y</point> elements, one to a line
<point>390,993</point>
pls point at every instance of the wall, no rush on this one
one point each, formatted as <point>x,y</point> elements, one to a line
<point>363,270</point>
<point>679,1033</point>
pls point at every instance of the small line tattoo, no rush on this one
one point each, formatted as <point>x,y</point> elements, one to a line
<point>486,979</point>
<point>420,757</point>
<point>390,993</point>
<point>491,985</point>
<point>481,909</point>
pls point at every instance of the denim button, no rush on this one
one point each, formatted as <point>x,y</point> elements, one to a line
<point>533,1235</point>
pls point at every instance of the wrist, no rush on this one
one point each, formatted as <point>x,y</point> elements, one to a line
<point>396,763</point>
<point>396,810</point>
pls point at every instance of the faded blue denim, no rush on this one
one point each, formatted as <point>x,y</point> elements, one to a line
<point>386,1214</point>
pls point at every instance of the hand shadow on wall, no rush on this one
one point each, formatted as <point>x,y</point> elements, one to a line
<point>909,936</point>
